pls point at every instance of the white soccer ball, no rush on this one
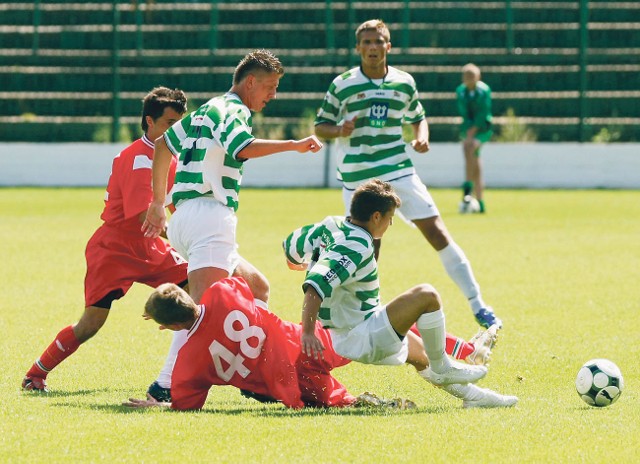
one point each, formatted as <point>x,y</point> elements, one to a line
<point>469,205</point>
<point>599,382</point>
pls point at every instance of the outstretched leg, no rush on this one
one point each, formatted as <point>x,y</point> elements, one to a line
<point>422,305</point>
<point>66,342</point>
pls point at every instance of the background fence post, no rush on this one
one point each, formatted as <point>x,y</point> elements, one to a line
<point>35,43</point>
<point>213,26</point>
<point>583,60</point>
<point>139,23</point>
<point>351,42</point>
<point>115,73</point>
<point>406,22</point>
<point>509,26</point>
<point>330,30</point>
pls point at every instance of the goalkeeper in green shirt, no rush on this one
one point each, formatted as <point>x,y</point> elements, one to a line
<point>474,106</point>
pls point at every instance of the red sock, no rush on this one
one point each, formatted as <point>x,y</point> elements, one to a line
<point>456,347</point>
<point>60,349</point>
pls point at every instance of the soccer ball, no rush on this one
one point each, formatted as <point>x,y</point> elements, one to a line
<point>469,205</point>
<point>599,382</point>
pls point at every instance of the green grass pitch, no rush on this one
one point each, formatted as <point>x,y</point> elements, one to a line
<point>562,268</point>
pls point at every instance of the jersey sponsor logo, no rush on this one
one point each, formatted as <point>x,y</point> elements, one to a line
<point>332,274</point>
<point>378,114</point>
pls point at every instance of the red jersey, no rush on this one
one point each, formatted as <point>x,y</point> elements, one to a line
<point>129,190</point>
<point>233,342</point>
<point>118,254</point>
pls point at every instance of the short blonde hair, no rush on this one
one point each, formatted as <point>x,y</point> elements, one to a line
<point>257,61</point>
<point>472,69</point>
<point>373,25</point>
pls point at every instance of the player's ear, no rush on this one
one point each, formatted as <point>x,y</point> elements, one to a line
<point>250,81</point>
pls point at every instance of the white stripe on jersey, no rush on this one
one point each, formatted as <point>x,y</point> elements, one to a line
<point>142,162</point>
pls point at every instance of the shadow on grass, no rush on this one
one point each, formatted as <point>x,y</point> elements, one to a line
<point>274,411</point>
<point>252,408</point>
<point>64,393</point>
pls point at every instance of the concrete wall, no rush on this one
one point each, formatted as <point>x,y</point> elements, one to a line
<point>534,165</point>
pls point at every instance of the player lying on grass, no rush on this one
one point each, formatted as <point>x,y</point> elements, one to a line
<point>341,290</point>
<point>234,340</point>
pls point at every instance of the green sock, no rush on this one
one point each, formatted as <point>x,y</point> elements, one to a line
<point>467,188</point>
<point>481,205</point>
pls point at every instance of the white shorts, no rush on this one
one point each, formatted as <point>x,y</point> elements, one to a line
<point>416,199</point>
<point>373,341</point>
<point>203,230</point>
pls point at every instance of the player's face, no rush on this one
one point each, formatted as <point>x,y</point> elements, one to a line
<point>382,223</point>
<point>164,122</point>
<point>373,49</point>
<point>262,90</point>
<point>470,80</point>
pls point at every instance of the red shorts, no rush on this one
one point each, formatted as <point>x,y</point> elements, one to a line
<point>116,259</point>
<point>317,386</point>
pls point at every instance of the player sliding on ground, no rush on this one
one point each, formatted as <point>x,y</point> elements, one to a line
<point>234,340</point>
<point>341,290</point>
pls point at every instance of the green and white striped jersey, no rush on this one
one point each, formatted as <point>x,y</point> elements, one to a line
<point>375,148</point>
<point>207,143</point>
<point>342,269</point>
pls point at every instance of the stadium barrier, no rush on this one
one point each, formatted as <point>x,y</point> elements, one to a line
<point>529,165</point>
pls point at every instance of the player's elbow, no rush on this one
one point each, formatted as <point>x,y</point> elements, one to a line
<point>296,267</point>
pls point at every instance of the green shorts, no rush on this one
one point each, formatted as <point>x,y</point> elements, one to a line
<point>481,137</point>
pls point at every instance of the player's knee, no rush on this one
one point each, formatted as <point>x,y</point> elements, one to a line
<point>428,297</point>
<point>88,326</point>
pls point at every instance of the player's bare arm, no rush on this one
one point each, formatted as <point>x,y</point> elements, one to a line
<point>150,402</point>
<point>297,267</point>
<point>421,134</point>
<point>332,131</point>
<point>310,343</point>
<point>261,147</point>
<point>156,217</point>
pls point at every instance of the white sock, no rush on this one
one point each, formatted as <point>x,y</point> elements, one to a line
<point>469,391</point>
<point>179,339</point>
<point>432,331</point>
<point>458,267</point>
